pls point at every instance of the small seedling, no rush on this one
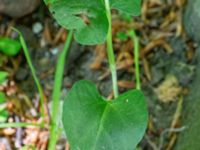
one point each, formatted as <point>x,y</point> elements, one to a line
<point>9,46</point>
<point>90,121</point>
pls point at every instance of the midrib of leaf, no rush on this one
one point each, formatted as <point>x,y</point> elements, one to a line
<point>121,118</point>
<point>100,127</point>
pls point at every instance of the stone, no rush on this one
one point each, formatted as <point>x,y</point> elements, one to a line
<point>18,8</point>
<point>37,27</point>
<point>190,137</point>
<point>192,19</point>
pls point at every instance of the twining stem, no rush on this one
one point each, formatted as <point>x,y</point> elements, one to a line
<point>19,124</point>
<point>136,58</point>
<point>41,93</point>
<point>56,92</point>
<point>111,56</point>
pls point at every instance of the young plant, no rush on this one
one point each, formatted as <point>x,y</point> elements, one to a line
<point>92,122</point>
<point>9,46</point>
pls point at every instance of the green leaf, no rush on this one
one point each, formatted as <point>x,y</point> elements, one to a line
<point>3,112</point>
<point>86,17</point>
<point>3,115</point>
<point>132,7</point>
<point>122,36</point>
<point>126,17</point>
<point>3,76</point>
<point>92,123</point>
<point>9,46</point>
<point>2,97</point>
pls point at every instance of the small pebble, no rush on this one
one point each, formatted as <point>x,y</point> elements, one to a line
<point>37,27</point>
<point>54,51</point>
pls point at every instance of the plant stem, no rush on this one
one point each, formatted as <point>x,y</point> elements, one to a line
<point>136,58</point>
<point>37,82</point>
<point>56,92</point>
<point>111,56</point>
<point>19,124</point>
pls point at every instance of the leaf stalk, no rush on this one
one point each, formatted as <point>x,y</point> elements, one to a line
<point>136,58</point>
<point>33,71</point>
<point>57,92</point>
<point>110,52</point>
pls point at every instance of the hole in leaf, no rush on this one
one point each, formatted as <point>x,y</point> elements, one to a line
<point>85,18</point>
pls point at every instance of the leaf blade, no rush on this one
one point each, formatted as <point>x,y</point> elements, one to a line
<point>74,14</point>
<point>132,7</point>
<point>3,76</point>
<point>108,125</point>
<point>9,46</point>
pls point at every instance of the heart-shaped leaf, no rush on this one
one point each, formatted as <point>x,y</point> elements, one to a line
<point>132,7</point>
<point>86,17</point>
<point>92,123</point>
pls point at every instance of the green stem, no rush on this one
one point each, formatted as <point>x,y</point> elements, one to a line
<point>19,124</point>
<point>56,92</point>
<point>26,53</point>
<point>136,58</point>
<point>111,56</point>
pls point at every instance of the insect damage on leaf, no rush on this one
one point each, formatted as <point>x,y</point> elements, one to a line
<point>87,18</point>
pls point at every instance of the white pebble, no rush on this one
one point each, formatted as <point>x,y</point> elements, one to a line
<point>37,27</point>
